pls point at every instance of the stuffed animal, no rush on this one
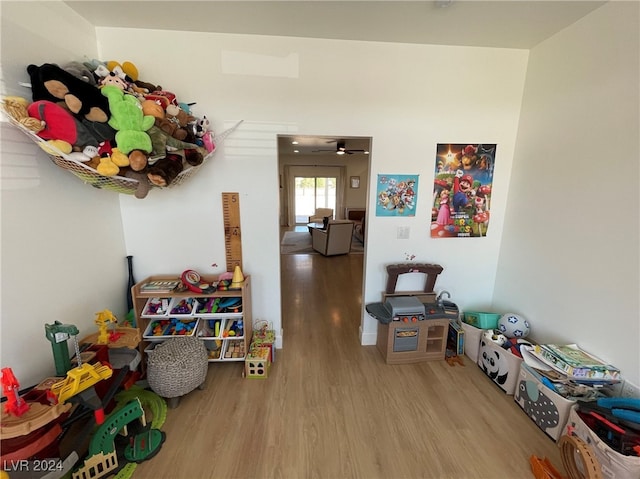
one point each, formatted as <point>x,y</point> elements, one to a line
<point>16,108</point>
<point>204,135</point>
<point>162,142</point>
<point>181,119</point>
<point>193,156</point>
<point>79,70</point>
<point>107,167</point>
<point>143,182</point>
<point>86,155</point>
<point>52,83</point>
<point>165,170</point>
<point>59,124</point>
<point>55,147</point>
<point>153,108</point>
<point>131,125</point>
<point>112,79</point>
<point>165,98</point>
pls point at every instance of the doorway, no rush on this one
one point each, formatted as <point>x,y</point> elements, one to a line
<point>314,172</point>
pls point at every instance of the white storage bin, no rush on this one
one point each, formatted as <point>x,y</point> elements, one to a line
<point>548,409</point>
<point>170,328</point>
<point>472,337</point>
<point>157,307</point>
<point>502,366</point>
<point>613,464</point>
<point>182,307</point>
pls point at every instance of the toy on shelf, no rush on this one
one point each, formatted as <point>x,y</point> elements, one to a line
<point>10,386</point>
<point>238,278</point>
<point>167,328</point>
<point>193,281</point>
<point>183,307</point>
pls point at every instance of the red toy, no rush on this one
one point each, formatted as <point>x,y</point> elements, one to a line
<point>10,386</point>
<point>193,282</point>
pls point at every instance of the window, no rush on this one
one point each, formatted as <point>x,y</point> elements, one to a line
<point>311,193</point>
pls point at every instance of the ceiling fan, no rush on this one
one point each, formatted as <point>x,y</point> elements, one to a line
<point>341,148</point>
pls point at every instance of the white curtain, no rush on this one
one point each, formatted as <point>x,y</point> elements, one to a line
<point>287,197</point>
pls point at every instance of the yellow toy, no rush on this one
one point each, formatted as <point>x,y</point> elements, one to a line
<point>80,378</point>
<point>103,318</point>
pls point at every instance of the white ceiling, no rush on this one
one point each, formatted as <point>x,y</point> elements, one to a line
<point>518,24</point>
<point>502,24</point>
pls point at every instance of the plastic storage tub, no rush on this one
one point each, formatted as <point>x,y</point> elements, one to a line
<point>481,320</point>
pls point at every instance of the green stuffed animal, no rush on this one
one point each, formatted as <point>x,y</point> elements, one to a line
<point>130,122</point>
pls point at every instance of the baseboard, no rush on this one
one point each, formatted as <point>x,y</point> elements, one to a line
<point>368,339</point>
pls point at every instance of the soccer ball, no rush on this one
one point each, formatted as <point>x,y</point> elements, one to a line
<point>514,326</point>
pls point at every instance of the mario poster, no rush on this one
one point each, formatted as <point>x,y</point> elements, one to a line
<point>462,190</point>
<point>397,195</point>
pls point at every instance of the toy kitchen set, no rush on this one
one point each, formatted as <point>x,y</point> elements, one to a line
<point>412,326</point>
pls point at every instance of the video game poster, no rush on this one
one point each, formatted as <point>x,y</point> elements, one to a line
<point>462,190</point>
<point>397,195</point>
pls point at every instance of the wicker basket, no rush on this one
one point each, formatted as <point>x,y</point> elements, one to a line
<point>119,184</point>
<point>177,366</point>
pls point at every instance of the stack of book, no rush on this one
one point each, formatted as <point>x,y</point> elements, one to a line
<point>160,286</point>
<point>576,364</point>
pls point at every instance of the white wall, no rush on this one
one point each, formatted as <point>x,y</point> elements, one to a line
<point>407,97</point>
<point>569,259</point>
<point>63,253</point>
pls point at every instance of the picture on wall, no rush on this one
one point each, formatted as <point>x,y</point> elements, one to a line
<point>462,190</point>
<point>397,195</point>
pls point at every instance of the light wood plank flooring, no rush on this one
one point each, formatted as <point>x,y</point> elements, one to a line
<point>332,408</point>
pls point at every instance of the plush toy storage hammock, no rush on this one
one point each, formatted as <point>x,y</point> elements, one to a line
<point>119,184</point>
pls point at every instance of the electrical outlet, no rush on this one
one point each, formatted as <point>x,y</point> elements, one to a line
<point>403,232</point>
<point>629,390</point>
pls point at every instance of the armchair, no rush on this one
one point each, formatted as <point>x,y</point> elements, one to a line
<point>319,215</point>
<point>335,239</point>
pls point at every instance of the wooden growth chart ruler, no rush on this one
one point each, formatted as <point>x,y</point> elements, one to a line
<point>232,234</point>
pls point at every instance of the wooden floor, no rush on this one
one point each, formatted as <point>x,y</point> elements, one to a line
<point>332,408</point>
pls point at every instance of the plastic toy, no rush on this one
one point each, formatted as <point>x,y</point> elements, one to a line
<point>15,404</point>
<point>58,334</point>
<point>103,318</point>
<point>514,326</point>
<point>80,378</point>
<point>103,456</point>
<point>238,278</point>
<point>496,336</point>
<point>210,306</point>
<point>185,306</point>
<point>193,281</point>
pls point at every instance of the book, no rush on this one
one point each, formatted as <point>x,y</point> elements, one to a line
<point>575,362</point>
<point>160,286</point>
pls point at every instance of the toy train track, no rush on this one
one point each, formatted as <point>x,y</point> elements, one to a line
<point>102,453</point>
